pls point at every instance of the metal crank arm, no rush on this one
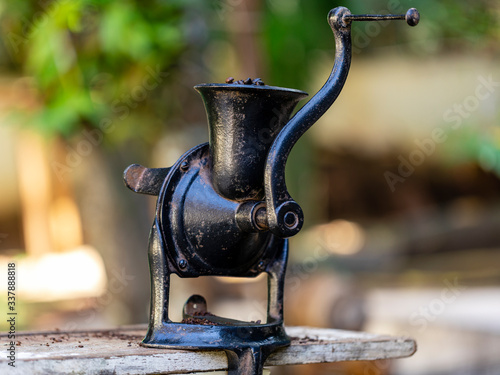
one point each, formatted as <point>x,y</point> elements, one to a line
<point>284,216</point>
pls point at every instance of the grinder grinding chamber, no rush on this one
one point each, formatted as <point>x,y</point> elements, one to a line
<point>223,208</point>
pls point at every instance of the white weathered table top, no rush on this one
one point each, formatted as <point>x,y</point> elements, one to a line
<point>118,352</point>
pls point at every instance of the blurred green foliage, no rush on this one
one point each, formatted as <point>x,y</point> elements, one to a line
<point>298,28</point>
<point>461,24</point>
<point>295,28</point>
<point>93,61</point>
<point>295,31</point>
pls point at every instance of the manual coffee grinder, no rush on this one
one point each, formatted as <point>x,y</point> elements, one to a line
<point>223,208</point>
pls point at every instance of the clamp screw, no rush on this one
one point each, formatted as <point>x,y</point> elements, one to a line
<point>182,263</point>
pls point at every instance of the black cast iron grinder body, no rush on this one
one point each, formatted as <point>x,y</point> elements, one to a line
<point>223,208</point>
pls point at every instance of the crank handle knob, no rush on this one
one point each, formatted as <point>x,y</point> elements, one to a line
<point>412,17</point>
